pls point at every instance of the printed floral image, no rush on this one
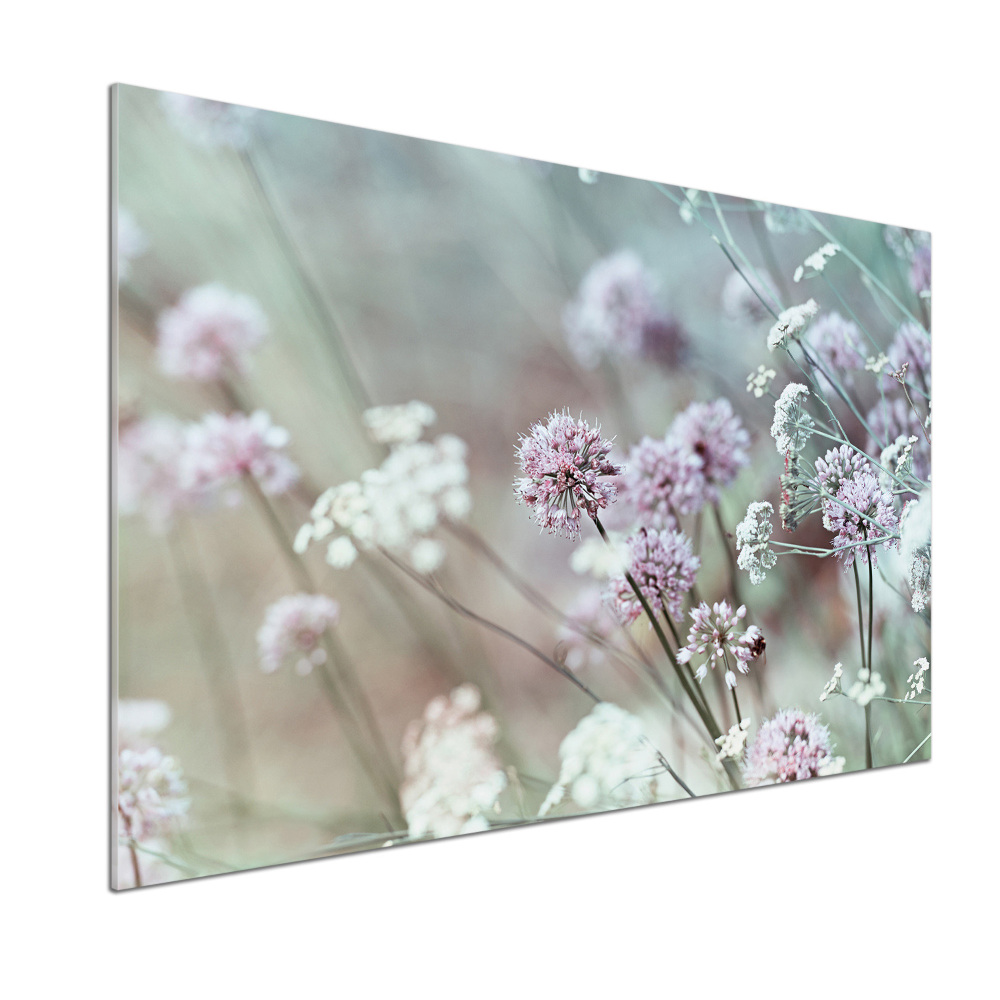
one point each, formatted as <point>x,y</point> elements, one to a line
<point>458,492</point>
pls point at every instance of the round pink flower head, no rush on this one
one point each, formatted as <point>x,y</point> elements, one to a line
<point>864,494</point>
<point>566,470</point>
<point>152,794</point>
<point>663,479</point>
<point>221,450</point>
<point>715,634</point>
<point>792,746</point>
<point>293,631</point>
<point>717,436</point>
<point>209,333</point>
<point>837,343</point>
<point>664,568</point>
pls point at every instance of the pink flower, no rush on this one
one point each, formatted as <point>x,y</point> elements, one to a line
<point>864,494</point>
<point>220,450</point>
<point>293,630</point>
<point>152,794</point>
<point>664,568</point>
<point>663,480</point>
<point>567,470</point>
<point>717,436</point>
<point>715,634</point>
<point>209,333</point>
<point>792,746</point>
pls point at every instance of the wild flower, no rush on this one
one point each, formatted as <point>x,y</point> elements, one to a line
<point>867,687</point>
<point>663,480</point>
<point>395,506</point>
<point>833,685</point>
<point>916,679</point>
<point>152,793</point>
<point>791,324</point>
<point>606,763</point>
<point>612,307</point>
<point>741,303</point>
<point>209,333</point>
<point>753,538</point>
<point>915,548</point>
<point>403,424</point>
<point>759,382</point>
<point>220,450</point>
<point>877,364</point>
<point>132,242</point>
<point>209,124</point>
<point>588,612</point>
<point>293,632</point>
<point>715,634</point>
<point>566,470</point>
<point>816,262</point>
<point>664,568</point>
<point>791,746</point>
<point>890,420</point>
<point>878,526</point>
<point>838,465</point>
<point>453,778</point>
<point>912,346</point>
<point>837,342</point>
<point>732,744</point>
<point>792,426</point>
<point>718,438</point>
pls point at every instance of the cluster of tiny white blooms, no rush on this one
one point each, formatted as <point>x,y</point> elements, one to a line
<point>587,176</point>
<point>601,560</point>
<point>132,242</point>
<point>605,763</point>
<point>152,793</point>
<point>753,536</point>
<point>759,382</point>
<point>877,364</point>
<point>395,506</point>
<point>453,777</point>
<point>817,261</point>
<point>293,630</point>
<point>403,424</point>
<point>898,457</point>
<point>832,686</point>
<point>916,679</point>
<point>915,547</point>
<point>209,123</point>
<point>732,744</point>
<point>869,685</point>
<point>791,324</point>
<point>792,426</point>
<point>209,333</point>
<point>139,717</point>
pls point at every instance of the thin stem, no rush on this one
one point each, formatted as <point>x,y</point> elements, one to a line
<point>916,748</point>
<point>864,666</point>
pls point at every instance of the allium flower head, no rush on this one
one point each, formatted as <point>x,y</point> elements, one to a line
<point>293,631</point>
<point>716,635</point>
<point>607,763</point>
<point>863,493</point>
<point>837,465</point>
<point>792,426</point>
<point>209,123</point>
<point>132,242</point>
<point>837,342</point>
<point>566,470</point>
<point>717,436</point>
<point>663,480</point>
<point>209,333</point>
<point>664,567</point>
<point>610,311</point>
<point>453,777</point>
<point>152,793</point>
<point>791,324</point>
<point>665,341</point>
<point>753,536</point>
<point>792,746</point>
<point>220,450</point>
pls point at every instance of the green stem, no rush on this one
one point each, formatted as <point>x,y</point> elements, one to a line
<point>864,667</point>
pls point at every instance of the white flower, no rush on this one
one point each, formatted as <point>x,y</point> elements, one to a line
<point>733,743</point>
<point>759,382</point>
<point>898,457</point>
<point>869,685</point>
<point>139,717</point>
<point>876,365</point>
<point>916,679</point>
<point>401,424</point>
<point>915,548</point>
<point>833,684</point>
<point>753,535</point>
<point>835,766</point>
<point>817,261</point>
<point>340,553</point>
<point>792,426</point>
<point>791,324</point>
<point>427,555</point>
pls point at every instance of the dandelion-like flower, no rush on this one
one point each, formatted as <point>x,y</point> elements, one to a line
<point>453,777</point>
<point>664,568</point>
<point>403,424</point>
<point>209,333</point>
<point>209,124</point>
<point>717,436</point>
<point>792,746</point>
<point>878,526</point>
<point>716,635</point>
<point>606,763</point>
<point>566,470</point>
<point>612,307</point>
<point>132,242</point>
<point>837,342</point>
<point>791,324</point>
<point>152,793</point>
<point>753,539</point>
<point>663,480</point>
<point>221,450</point>
<point>293,632</point>
<point>792,426</point>
<point>741,303</point>
<point>915,548</point>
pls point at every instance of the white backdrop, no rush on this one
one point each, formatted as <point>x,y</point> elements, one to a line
<point>866,885</point>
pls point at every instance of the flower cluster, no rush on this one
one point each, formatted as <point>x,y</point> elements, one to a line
<point>403,424</point>
<point>867,687</point>
<point>915,547</point>
<point>209,123</point>
<point>856,536</point>
<point>395,506</point>
<point>611,309</point>
<point>664,480</point>
<point>791,324</point>
<point>209,333</point>
<point>890,420</point>
<point>715,634</point>
<point>833,685</point>
<point>732,744</point>
<point>566,469</point>
<point>916,679</point>
<point>453,777</point>
<point>759,382</point>
<point>293,631</point>
<point>815,262</point>
<point>606,763</point>
<point>837,342</point>
<point>792,426</point>
<point>792,746</point>
<point>664,568</point>
<point>718,438</point>
<point>838,465</point>
<point>152,793</point>
<point>753,539</point>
